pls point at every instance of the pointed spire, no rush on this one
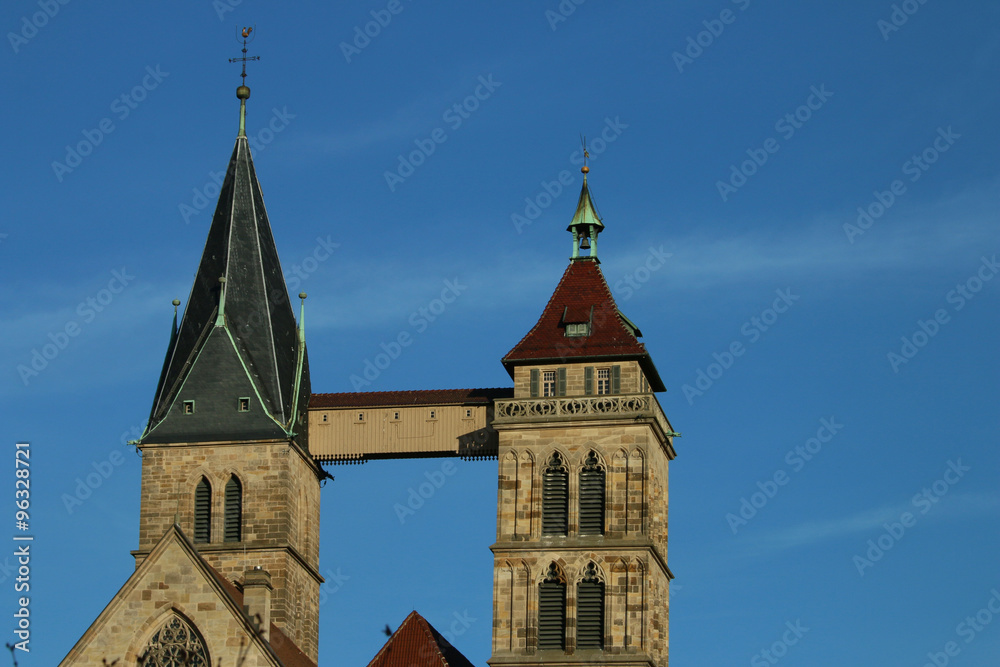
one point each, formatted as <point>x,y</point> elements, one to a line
<point>236,366</point>
<point>586,223</point>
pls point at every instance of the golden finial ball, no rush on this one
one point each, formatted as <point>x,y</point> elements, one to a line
<point>585,169</point>
<point>176,302</point>
<point>243,92</point>
<point>302,295</point>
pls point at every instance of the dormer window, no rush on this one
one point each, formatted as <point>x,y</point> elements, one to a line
<point>580,329</point>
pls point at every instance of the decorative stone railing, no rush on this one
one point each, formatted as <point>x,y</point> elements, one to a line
<point>620,406</point>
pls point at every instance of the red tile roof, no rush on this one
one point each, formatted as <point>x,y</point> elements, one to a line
<point>417,644</point>
<point>582,296</point>
<point>406,398</point>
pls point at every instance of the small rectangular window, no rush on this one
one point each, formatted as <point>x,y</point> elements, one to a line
<point>244,404</point>
<point>433,414</point>
<point>603,380</point>
<point>578,329</point>
<point>325,418</point>
<point>361,416</point>
<point>395,416</point>
<point>189,407</point>
<point>549,383</point>
<point>468,413</point>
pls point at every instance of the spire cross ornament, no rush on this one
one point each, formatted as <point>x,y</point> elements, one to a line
<point>245,58</point>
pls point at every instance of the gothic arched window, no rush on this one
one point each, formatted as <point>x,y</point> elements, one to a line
<point>555,497</point>
<point>552,610</point>
<point>202,511</point>
<point>234,510</point>
<point>592,496</point>
<point>590,610</point>
<point>175,644</point>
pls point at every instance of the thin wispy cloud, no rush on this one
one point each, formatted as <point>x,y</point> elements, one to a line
<point>955,507</point>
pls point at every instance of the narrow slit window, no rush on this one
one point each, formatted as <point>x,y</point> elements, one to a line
<point>590,610</point>
<point>555,497</point>
<point>202,512</point>
<point>189,407</point>
<point>234,510</point>
<point>592,496</point>
<point>244,404</point>
<point>552,611</point>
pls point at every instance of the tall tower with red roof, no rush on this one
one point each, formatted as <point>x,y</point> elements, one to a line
<point>580,561</point>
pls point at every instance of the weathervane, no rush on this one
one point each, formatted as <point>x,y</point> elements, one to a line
<point>585,168</point>
<point>243,92</point>
<point>246,40</point>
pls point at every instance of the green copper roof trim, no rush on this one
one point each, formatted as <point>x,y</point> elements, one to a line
<point>586,213</point>
<point>300,363</point>
<point>220,317</point>
<point>243,365</point>
<point>253,384</point>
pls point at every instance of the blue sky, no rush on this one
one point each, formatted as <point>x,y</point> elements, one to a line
<point>739,137</point>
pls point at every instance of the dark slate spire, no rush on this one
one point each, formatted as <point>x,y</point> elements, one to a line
<point>236,368</point>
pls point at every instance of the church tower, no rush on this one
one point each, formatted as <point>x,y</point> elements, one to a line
<point>580,561</point>
<point>225,455</point>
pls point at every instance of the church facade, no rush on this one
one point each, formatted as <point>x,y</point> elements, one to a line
<point>233,456</point>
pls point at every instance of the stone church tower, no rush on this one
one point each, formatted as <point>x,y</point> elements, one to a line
<point>228,554</point>
<point>580,562</point>
<point>227,565</point>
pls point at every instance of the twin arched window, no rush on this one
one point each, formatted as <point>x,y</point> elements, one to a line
<point>555,496</point>
<point>233,524</point>
<point>589,610</point>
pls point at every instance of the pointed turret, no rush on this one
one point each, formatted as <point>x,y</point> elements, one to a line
<point>586,223</point>
<point>236,367</point>
<point>581,320</point>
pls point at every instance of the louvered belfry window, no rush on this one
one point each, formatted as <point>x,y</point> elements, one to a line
<point>555,497</point>
<point>234,510</point>
<point>202,512</point>
<point>590,610</point>
<point>592,496</point>
<point>552,611</point>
